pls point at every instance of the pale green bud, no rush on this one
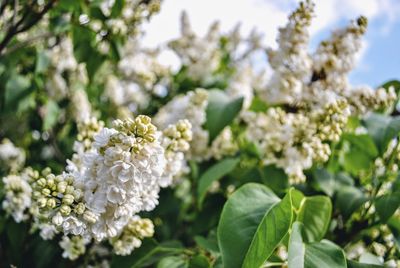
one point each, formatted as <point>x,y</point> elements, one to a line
<point>68,199</point>
<point>42,202</point>
<point>77,194</point>
<point>51,203</point>
<point>89,216</point>
<point>80,208</point>
<point>61,187</point>
<point>65,210</point>
<point>70,189</point>
<point>46,191</point>
<point>41,182</point>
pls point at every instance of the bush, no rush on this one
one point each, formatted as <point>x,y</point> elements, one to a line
<point>111,157</point>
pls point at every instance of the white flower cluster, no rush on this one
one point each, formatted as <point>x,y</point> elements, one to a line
<point>201,55</point>
<point>224,144</point>
<point>119,176</point>
<point>291,62</point>
<point>11,157</point>
<point>64,71</point>
<point>288,140</point>
<point>73,247</point>
<point>192,107</point>
<point>142,76</point>
<point>132,235</point>
<point>315,96</point>
<point>17,199</point>
<point>132,14</point>
<point>175,141</point>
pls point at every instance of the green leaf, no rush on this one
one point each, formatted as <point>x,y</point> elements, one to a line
<point>42,62</point>
<point>173,262</point>
<point>199,261</point>
<point>363,142</point>
<point>354,264</point>
<point>382,129</point>
<point>355,160</point>
<point>275,178</point>
<point>386,205</point>
<point>324,181</point>
<point>297,248</point>
<point>349,199</point>
<point>16,87</point>
<point>239,220</point>
<point>207,244</point>
<point>214,173</point>
<point>149,253</point>
<point>313,255</point>
<point>394,226</point>
<point>324,254</point>
<point>51,115</point>
<point>315,213</point>
<point>221,111</point>
<point>270,232</point>
<point>369,258</point>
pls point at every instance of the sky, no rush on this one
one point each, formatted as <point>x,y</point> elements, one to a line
<point>379,60</point>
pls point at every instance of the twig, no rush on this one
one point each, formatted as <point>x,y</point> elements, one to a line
<point>19,26</point>
<point>28,42</point>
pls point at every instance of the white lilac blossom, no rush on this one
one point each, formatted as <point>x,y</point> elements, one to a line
<point>175,141</point>
<point>141,76</point>
<point>73,247</point>
<point>17,199</point>
<point>201,55</point>
<point>287,140</point>
<point>132,235</point>
<point>224,144</point>
<point>291,62</point>
<point>192,107</point>
<point>82,109</point>
<point>11,157</point>
<point>118,176</point>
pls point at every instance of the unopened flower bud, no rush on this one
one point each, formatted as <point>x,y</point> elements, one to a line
<point>80,208</point>
<point>51,203</point>
<point>65,210</point>
<point>42,202</point>
<point>89,216</point>
<point>61,187</point>
<point>41,182</point>
<point>68,199</point>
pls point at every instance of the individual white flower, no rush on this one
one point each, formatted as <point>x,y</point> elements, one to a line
<point>47,231</point>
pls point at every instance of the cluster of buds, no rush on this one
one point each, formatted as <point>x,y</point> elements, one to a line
<point>58,198</point>
<point>331,120</point>
<point>224,144</point>
<point>132,235</point>
<point>86,131</point>
<point>11,157</point>
<point>73,247</point>
<point>178,136</point>
<point>17,190</point>
<point>176,141</point>
<point>140,128</point>
<point>363,99</point>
